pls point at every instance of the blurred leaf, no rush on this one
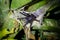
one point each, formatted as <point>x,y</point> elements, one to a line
<point>18,3</point>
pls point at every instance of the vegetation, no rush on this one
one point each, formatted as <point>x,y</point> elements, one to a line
<point>51,22</point>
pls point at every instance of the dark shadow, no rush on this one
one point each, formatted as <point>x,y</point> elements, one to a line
<point>6,36</point>
<point>36,35</point>
<point>20,35</point>
<point>1,26</point>
<point>30,39</point>
<point>10,1</point>
<point>54,14</point>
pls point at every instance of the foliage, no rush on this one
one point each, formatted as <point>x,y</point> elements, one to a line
<point>9,23</point>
